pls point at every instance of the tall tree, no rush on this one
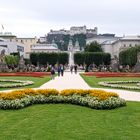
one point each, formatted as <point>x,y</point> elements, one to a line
<point>93,47</point>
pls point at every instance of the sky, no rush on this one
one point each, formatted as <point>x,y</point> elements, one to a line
<point>30,18</point>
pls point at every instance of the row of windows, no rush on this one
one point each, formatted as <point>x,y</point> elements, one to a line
<point>130,45</point>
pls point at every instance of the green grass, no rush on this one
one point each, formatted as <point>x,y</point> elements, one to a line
<point>37,81</point>
<point>70,122</point>
<point>93,81</point>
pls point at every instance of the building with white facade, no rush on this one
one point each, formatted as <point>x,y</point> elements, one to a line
<point>11,47</point>
<point>114,47</point>
<point>101,38</point>
<point>46,48</point>
<point>26,42</point>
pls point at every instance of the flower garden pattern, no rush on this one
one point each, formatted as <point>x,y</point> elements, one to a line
<point>116,84</point>
<point>96,99</point>
<point>14,83</point>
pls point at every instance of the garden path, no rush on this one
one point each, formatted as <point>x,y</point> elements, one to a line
<point>74,81</point>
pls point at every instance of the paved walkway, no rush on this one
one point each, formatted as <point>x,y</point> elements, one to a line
<point>74,81</point>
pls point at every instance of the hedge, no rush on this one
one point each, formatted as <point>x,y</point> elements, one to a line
<point>48,58</point>
<point>92,57</point>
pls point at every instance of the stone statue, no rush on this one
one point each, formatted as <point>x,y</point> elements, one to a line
<point>137,66</point>
<point>2,54</point>
<point>3,66</point>
<point>138,57</point>
<point>21,64</point>
<point>115,64</point>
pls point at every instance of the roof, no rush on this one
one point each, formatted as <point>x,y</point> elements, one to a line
<point>45,47</point>
<point>131,38</point>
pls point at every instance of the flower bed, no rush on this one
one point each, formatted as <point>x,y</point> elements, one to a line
<point>115,84</point>
<point>97,99</point>
<point>111,74</point>
<point>17,83</point>
<point>32,74</point>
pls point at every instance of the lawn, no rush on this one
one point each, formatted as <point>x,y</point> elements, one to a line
<point>37,81</point>
<point>70,122</point>
<point>93,81</point>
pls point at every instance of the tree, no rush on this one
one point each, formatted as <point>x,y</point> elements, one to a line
<point>93,47</point>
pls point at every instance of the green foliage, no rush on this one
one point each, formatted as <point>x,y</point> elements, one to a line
<point>63,58</point>
<point>11,60</point>
<point>79,58</point>
<point>49,58</point>
<point>93,47</point>
<point>34,58</point>
<point>129,56</point>
<point>92,57</point>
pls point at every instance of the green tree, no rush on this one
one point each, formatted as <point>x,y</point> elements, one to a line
<point>93,47</point>
<point>11,60</point>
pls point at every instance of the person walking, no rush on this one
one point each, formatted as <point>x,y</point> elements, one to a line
<point>75,69</point>
<point>62,70</point>
<point>52,72</point>
<point>71,69</point>
<point>59,70</point>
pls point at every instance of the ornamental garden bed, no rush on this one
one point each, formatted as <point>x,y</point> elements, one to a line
<point>97,99</point>
<point>37,81</point>
<point>6,83</point>
<point>30,74</point>
<point>111,74</point>
<point>121,84</point>
<point>93,81</point>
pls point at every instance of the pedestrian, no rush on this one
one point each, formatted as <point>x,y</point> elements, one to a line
<point>71,69</point>
<point>62,70</point>
<point>52,72</point>
<point>75,69</point>
<point>59,70</point>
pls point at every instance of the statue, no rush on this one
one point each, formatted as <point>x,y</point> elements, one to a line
<point>3,66</point>
<point>137,66</point>
<point>138,57</point>
<point>21,64</point>
<point>115,64</point>
<point>2,54</point>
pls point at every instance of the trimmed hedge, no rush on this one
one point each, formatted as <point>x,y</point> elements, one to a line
<point>49,58</point>
<point>129,56</point>
<point>97,99</point>
<point>92,57</point>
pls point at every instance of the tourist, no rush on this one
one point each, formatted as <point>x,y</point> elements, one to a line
<point>62,70</point>
<point>71,69</point>
<point>52,72</point>
<point>59,70</point>
<point>75,69</point>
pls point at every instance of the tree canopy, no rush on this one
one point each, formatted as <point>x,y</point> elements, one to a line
<point>93,47</point>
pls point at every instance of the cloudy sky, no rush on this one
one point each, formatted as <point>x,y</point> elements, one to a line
<point>29,18</point>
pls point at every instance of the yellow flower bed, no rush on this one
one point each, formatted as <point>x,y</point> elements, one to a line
<point>18,94</point>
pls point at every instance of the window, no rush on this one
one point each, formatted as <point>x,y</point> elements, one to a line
<point>20,49</point>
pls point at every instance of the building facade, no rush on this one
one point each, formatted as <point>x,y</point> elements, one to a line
<point>46,48</point>
<point>12,47</point>
<point>114,47</point>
